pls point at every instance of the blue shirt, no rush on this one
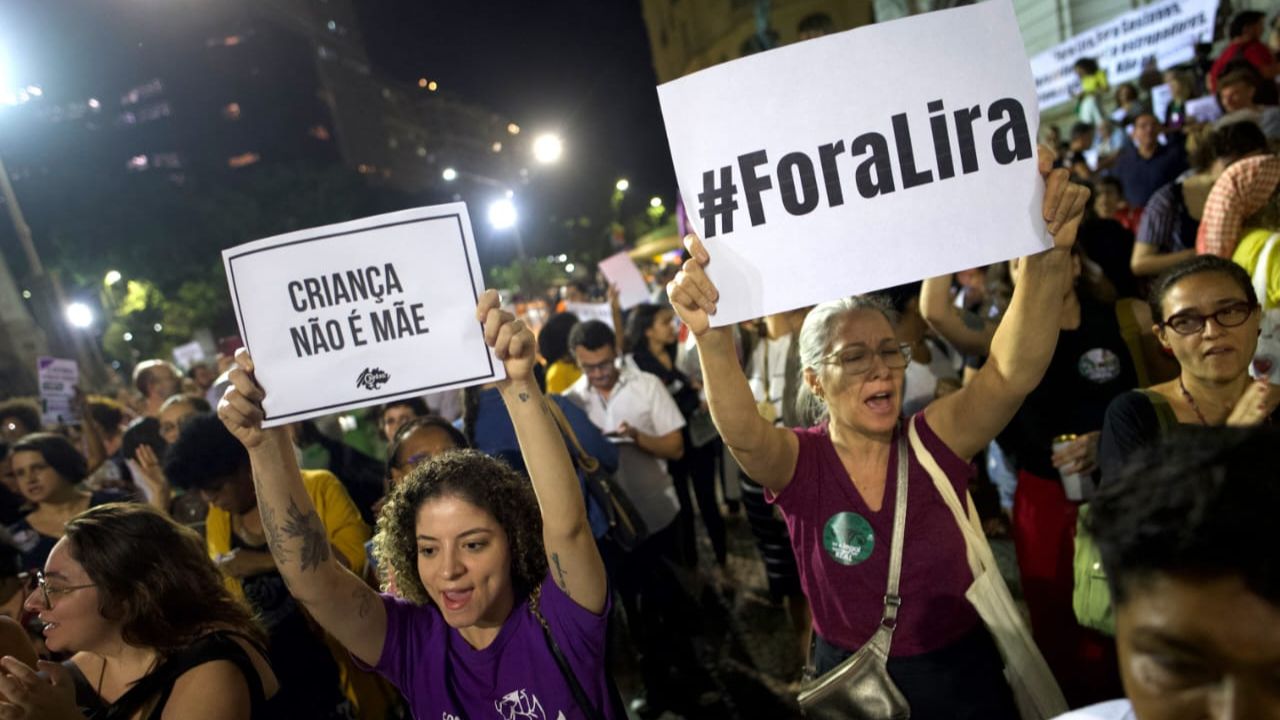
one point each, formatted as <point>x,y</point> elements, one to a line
<point>495,435</point>
<point>1141,177</point>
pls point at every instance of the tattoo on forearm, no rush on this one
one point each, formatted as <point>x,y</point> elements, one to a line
<point>308,528</point>
<point>366,601</point>
<point>555,560</point>
<point>268,516</point>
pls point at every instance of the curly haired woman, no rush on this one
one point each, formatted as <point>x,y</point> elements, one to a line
<point>499,581</point>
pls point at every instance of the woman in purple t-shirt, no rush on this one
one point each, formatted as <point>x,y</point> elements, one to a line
<point>836,483</point>
<point>496,578</point>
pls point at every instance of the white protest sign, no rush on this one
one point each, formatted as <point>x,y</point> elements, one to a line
<point>362,312</point>
<point>621,270</point>
<point>812,174</point>
<point>1165,31</point>
<point>189,354</point>
<point>591,311</point>
<point>58,379</point>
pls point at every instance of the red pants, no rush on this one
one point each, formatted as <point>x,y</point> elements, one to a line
<point>1044,533</point>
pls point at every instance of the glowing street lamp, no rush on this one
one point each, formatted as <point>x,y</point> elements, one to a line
<point>655,202</point>
<point>502,214</point>
<point>449,174</point>
<point>111,278</point>
<point>623,185</point>
<point>548,148</point>
<point>79,315</point>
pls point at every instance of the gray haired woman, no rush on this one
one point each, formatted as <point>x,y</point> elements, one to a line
<point>831,481</point>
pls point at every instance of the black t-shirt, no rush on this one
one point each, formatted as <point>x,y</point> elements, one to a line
<point>677,383</point>
<point>1091,366</point>
<point>1110,245</point>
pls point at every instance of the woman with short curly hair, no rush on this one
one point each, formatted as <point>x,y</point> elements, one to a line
<point>503,600</point>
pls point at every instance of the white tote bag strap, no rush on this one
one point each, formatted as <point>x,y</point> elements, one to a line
<point>1034,688</point>
<point>1262,271</point>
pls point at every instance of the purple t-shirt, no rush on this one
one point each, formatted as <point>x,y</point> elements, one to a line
<point>444,678</point>
<point>842,547</point>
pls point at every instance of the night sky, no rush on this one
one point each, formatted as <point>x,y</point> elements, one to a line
<point>581,67</point>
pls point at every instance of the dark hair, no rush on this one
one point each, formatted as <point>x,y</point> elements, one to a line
<point>1235,140</point>
<point>155,577</point>
<point>476,478</point>
<point>1242,20</point>
<point>592,335</point>
<point>191,371</point>
<point>900,296</point>
<point>424,421</point>
<point>1088,65</point>
<point>24,410</point>
<point>1239,75</point>
<point>1202,503</point>
<point>106,413</point>
<point>143,431</point>
<point>1126,86</point>
<point>1081,129</point>
<point>416,404</point>
<point>205,455</point>
<point>1112,182</point>
<point>553,339</point>
<point>56,450</point>
<point>639,321</point>
<point>1196,266</point>
<point>11,564</point>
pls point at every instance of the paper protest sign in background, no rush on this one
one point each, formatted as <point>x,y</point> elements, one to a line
<point>362,312</point>
<point>813,172</point>
<point>621,270</point>
<point>189,354</point>
<point>58,379</point>
<point>592,311</point>
<point>1166,32</point>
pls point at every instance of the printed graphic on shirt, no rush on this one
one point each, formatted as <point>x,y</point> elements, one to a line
<point>522,705</point>
<point>1099,365</point>
<point>848,538</point>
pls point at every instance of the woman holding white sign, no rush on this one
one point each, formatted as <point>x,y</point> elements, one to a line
<point>838,483</point>
<point>493,581</point>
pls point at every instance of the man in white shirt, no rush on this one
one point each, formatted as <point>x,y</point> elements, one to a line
<point>633,409</point>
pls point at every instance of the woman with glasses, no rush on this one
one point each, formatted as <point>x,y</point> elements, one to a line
<point>1208,318</point>
<point>152,631</point>
<point>836,482</point>
<point>49,470</point>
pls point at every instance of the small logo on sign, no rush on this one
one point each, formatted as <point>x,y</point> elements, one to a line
<point>372,379</point>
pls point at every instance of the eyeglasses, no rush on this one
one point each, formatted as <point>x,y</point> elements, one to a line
<point>51,591</point>
<point>597,367</point>
<point>1189,323</point>
<point>856,361</point>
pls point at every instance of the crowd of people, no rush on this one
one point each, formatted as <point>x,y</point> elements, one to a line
<point>1107,406</point>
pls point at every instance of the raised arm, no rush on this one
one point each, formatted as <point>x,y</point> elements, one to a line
<point>766,453</point>
<point>571,550</point>
<point>968,332</point>
<point>341,602</point>
<point>1023,345</point>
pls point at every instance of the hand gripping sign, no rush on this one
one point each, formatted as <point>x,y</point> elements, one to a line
<point>860,160</point>
<point>362,312</point>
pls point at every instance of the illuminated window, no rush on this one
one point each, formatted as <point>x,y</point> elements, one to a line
<point>239,161</point>
<point>231,111</point>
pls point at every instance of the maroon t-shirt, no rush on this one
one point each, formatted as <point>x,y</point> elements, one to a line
<point>842,547</point>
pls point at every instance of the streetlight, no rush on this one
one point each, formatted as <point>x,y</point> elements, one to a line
<point>502,214</point>
<point>655,202</point>
<point>449,174</point>
<point>112,277</point>
<point>79,315</point>
<point>623,185</point>
<point>547,148</point>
